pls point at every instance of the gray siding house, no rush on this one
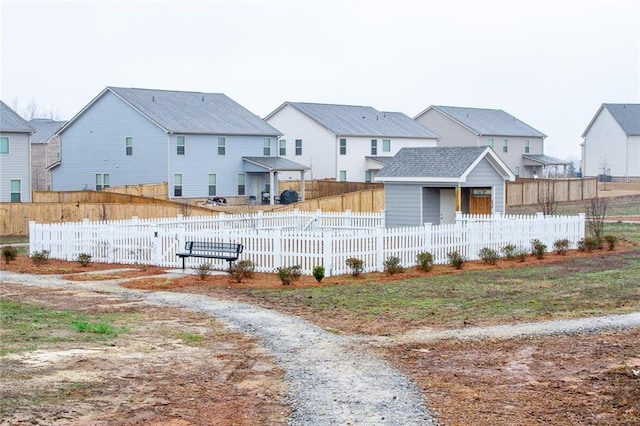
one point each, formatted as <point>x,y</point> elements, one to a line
<point>200,143</point>
<point>520,146</point>
<point>15,156</point>
<point>44,151</point>
<point>429,185</point>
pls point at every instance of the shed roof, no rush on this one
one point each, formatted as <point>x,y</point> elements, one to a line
<point>10,121</point>
<point>439,163</point>
<point>190,112</point>
<point>355,120</point>
<point>488,122</point>
<point>45,129</point>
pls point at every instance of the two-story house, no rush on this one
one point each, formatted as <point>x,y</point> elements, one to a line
<point>201,144</point>
<point>611,144</point>
<point>344,142</point>
<point>15,156</point>
<point>44,151</point>
<point>519,146</point>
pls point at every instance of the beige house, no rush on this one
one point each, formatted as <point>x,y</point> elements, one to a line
<point>45,151</point>
<point>519,146</point>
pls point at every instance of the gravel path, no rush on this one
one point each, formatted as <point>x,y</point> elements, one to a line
<point>332,379</point>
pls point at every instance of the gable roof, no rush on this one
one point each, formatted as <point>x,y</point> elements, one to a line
<point>626,115</point>
<point>354,120</point>
<point>44,128</point>
<point>439,164</point>
<point>10,121</point>
<point>189,112</point>
<point>487,122</point>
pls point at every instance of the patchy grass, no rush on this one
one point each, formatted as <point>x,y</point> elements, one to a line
<point>572,288</point>
<point>25,327</point>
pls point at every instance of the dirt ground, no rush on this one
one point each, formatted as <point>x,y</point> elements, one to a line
<point>142,377</point>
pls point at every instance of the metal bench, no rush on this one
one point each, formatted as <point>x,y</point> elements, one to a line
<point>211,250</point>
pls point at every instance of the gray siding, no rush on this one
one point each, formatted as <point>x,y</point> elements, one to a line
<point>15,166</point>
<point>485,175</point>
<point>403,204</point>
<point>430,206</point>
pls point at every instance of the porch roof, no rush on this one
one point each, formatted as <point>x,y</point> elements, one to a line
<point>543,160</point>
<point>276,164</point>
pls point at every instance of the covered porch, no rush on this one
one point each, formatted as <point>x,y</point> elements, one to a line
<point>543,163</point>
<point>262,173</point>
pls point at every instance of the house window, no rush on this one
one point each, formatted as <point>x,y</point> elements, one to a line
<point>505,145</point>
<point>102,181</point>
<point>212,184</point>
<point>180,145</point>
<point>283,147</point>
<point>298,146</point>
<point>177,185</point>
<point>222,146</point>
<point>128,142</point>
<point>4,145</point>
<point>374,147</point>
<point>526,146</point>
<point>15,191</point>
<point>386,145</point>
<point>343,175</point>
<point>241,183</point>
<point>343,146</point>
<point>490,142</point>
<point>266,147</point>
<point>517,173</point>
<point>367,176</point>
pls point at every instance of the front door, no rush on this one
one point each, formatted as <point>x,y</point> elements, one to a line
<point>447,206</point>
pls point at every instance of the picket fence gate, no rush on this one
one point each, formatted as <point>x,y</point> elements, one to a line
<point>307,239</point>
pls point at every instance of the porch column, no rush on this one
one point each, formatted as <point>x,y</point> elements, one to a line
<point>271,186</point>
<point>301,185</point>
<point>458,199</point>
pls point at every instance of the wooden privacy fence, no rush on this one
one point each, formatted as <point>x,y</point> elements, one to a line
<point>326,188</point>
<point>370,200</point>
<point>153,190</point>
<point>536,191</point>
<point>272,240</point>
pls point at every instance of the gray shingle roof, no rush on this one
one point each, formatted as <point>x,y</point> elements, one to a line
<point>276,163</point>
<point>628,116</point>
<point>435,162</point>
<point>10,121</point>
<point>195,112</point>
<point>489,122</point>
<point>44,129</point>
<point>546,159</point>
<point>353,120</point>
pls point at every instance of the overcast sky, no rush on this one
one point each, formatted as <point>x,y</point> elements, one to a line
<point>551,63</point>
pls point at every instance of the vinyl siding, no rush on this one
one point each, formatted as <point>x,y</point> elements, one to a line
<point>15,165</point>
<point>430,206</point>
<point>403,204</point>
<point>484,175</point>
<point>605,144</point>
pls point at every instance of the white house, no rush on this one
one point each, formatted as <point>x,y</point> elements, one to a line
<point>15,156</point>
<point>519,146</point>
<point>612,143</point>
<point>344,142</point>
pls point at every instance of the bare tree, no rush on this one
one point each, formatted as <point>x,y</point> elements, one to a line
<point>604,166</point>
<point>546,198</point>
<point>596,212</point>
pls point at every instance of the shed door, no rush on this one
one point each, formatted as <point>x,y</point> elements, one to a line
<point>447,206</point>
<point>480,201</point>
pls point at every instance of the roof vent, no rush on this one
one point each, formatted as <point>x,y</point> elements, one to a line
<point>153,98</point>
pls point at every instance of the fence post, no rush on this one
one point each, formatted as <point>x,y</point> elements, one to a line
<point>327,251</point>
<point>87,242</point>
<point>581,224</point>
<point>32,238</point>
<point>277,247</point>
<point>156,242</point>
<point>427,237</point>
<point>380,249</point>
<point>472,239</point>
<point>68,237</point>
<point>111,250</point>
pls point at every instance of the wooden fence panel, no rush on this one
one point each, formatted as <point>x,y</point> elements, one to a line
<point>533,191</point>
<point>153,190</point>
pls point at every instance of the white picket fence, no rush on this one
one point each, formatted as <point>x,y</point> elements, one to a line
<point>308,239</point>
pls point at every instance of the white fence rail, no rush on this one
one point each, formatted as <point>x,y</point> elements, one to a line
<point>307,239</point>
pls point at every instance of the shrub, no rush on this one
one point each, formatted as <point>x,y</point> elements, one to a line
<point>489,255</point>
<point>9,253</point>
<point>40,257</point>
<point>561,246</point>
<point>356,265</point>
<point>538,249</point>
<point>241,270</point>
<point>456,260</point>
<point>84,259</point>
<point>284,275</point>
<point>424,261</point>
<point>318,272</point>
<point>509,251</point>
<point>588,244</point>
<point>296,272</point>
<point>521,255</point>
<point>392,265</point>
<point>203,270</point>
<point>611,241</point>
